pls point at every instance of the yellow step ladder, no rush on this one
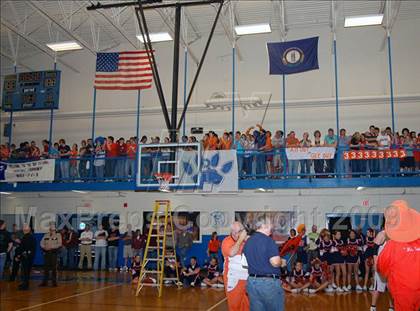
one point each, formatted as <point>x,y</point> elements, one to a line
<point>161,228</point>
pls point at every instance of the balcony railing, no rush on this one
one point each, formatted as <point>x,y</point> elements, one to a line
<point>253,166</point>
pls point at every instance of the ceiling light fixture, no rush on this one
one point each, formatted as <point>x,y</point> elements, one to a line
<point>360,188</point>
<point>157,37</point>
<point>252,29</point>
<point>5,193</point>
<point>363,20</point>
<point>64,46</point>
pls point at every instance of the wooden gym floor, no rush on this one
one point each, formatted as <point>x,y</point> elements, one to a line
<point>113,291</point>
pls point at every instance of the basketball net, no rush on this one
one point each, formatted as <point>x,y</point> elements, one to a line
<point>164,180</point>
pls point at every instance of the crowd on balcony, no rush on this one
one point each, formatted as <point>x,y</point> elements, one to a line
<point>260,153</point>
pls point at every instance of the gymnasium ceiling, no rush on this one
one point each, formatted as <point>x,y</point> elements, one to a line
<point>26,26</point>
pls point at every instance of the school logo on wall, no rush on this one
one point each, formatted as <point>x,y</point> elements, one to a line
<point>219,171</point>
<point>217,219</point>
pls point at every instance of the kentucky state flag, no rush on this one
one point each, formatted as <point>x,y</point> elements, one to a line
<point>293,56</point>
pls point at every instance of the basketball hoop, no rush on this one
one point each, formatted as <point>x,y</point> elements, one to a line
<point>164,179</point>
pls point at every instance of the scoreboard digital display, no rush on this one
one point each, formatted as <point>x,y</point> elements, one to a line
<point>31,91</point>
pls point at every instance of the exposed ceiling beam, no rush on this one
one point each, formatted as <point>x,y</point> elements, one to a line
<point>390,11</point>
<point>42,11</point>
<point>36,44</point>
<point>19,62</point>
<point>229,31</point>
<point>171,30</point>
<point>118,27</point>
<point>194,27</point>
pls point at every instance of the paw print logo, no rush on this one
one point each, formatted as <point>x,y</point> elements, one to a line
<point>212,172</point>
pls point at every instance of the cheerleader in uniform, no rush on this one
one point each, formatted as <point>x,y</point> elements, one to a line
<point>299,281</point>
<point>318,278</point>
<point>325,245</point>
<point>338,253</point>
<point>135,269</point>
<point>352,260</point>
<point>369,251</point>
<point>284,280</point>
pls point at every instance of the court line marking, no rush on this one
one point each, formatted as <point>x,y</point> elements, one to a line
<point>68,297</point>
<point>217,304</point>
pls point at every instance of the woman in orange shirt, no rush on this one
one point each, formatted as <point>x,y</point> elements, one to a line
<point>74,154</point>
<point>213,246</point>
<point>213,141</point>
<point>225,142</point>
<point>268,148</point>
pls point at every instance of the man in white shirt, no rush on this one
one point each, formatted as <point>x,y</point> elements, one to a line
<point>384,142</point>
<point>86,247</point>
<point>101,243</point>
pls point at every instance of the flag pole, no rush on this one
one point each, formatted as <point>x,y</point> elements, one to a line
<point>93,129</point>
<point>11,114</point>
<point>337,113</point>
<point>391,85</point>
<point>136,168</point>
<point>284,105</point>
<point>185,87</point>
<point>233,91</point>
<point>50,144</point>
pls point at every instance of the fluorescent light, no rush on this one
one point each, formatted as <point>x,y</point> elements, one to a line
<point>64,46</point>
<point>363,20</point>
<point>360,188</point>
<point>79,191</point>
<point>261,190</point>
<point>6,193</point>
<point>252,29</point>
<point>156,37</point>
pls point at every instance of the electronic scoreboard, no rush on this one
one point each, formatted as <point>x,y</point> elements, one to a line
<point>31,91</point>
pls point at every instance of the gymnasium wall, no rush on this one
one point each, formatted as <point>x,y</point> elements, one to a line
<point>363,87</point>
<point>310,205</point>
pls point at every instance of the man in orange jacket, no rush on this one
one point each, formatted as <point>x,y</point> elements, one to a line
<point>399,260</point>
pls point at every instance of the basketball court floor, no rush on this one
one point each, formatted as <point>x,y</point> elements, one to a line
<point>113,291</point>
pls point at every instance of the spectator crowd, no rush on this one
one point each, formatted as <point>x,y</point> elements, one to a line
<point>260,154</point>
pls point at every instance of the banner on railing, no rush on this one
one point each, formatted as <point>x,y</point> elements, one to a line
<point>42,170</point>
<point>219,171</point>
<point>310,153</point>
<point>374,154</point>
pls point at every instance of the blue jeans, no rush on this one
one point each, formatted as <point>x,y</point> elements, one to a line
<point>265,294</point>
<point>99,172</point>
<point>120,168</point>
<point>293,167</point>
<point>130,168</point>
<point>261,164</point>
<point>182,252</point>
<point>65,169</point>
<point>305,168</point>
<point>71,252</point>
<point>112,256</point>
<point>100,255</point>
<point>3,257</point>
<point>240,157</point>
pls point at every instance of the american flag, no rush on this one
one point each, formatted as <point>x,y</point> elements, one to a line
<point>123,71</point>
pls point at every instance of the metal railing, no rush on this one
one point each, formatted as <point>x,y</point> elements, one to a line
<point>252,164</point>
